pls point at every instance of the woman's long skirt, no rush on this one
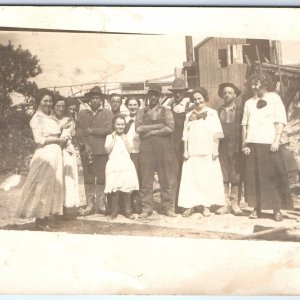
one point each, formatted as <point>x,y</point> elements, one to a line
<point>201,182</point>
<point>266,181</point>
<point>43,190</point>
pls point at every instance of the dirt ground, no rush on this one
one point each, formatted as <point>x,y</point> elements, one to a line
<point>196,226</point>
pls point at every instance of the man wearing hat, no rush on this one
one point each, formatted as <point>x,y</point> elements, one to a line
<point>180,106</point>
<point>155,125</point>
<point>230,114</point>
<point>93,125</point>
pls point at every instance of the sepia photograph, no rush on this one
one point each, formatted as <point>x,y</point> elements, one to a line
<point>134,162</point>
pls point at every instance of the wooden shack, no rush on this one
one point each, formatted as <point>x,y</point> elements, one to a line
<point>219,60</point>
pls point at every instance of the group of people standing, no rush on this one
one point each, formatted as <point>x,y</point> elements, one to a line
<point>201,155</point>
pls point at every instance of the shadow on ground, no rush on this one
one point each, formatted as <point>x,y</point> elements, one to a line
<point>107,228</point>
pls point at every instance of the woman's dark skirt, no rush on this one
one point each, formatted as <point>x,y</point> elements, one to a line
<point>266,181</point>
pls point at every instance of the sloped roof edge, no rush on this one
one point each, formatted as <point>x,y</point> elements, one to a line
<point>203,42</point>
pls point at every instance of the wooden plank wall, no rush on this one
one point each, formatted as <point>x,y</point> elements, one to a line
<point>211,74</point>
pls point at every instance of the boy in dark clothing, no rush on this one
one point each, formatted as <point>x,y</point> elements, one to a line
<point>230,114</point>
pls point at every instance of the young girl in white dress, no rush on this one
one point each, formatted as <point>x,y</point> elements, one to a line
<point>120,173</point>
<point>201,181</point>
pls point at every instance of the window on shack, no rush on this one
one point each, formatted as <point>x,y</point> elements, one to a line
<point>222,56</point>
<point>233,54</point>
<point>236,54</point>
<point>262,47</point>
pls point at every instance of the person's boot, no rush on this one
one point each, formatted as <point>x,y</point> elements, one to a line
<point>206,211</point>
<point>127,206</point>
<point>100,199</point>
<point>171,214</point>
<point>235,202</point>
<point>90,199</point>
<point>255,213</point>
<point>40,224</point>
<point>52,222</point>
<point>108,206</point>
<point>114,205</point>
<point>145,214</point>
<point>136,202</point>
<point>67,215</point>
<point>188,212</point>
<point>226,209</point>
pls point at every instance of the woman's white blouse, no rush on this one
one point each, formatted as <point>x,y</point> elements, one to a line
<point>261,123</point>
<point>200,134</point>
<point>42,127</point>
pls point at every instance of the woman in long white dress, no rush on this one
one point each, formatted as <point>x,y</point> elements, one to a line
<point>201,181</point>
<point>43,190</point>
<point>120,174</point>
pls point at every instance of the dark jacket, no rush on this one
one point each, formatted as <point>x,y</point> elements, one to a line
<point>235,136</point>
<point>101,124</point>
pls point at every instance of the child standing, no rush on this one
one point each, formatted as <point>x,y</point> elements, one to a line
<point>120,173</point>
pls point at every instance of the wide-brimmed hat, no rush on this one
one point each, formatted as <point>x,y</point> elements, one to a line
<point>96,90</point>
<point>154,88</point>
<point>178,85</point>
<point>228,84</point>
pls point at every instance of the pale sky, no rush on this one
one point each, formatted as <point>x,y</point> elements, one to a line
<point>72,58</point>
<point>78,58</point>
